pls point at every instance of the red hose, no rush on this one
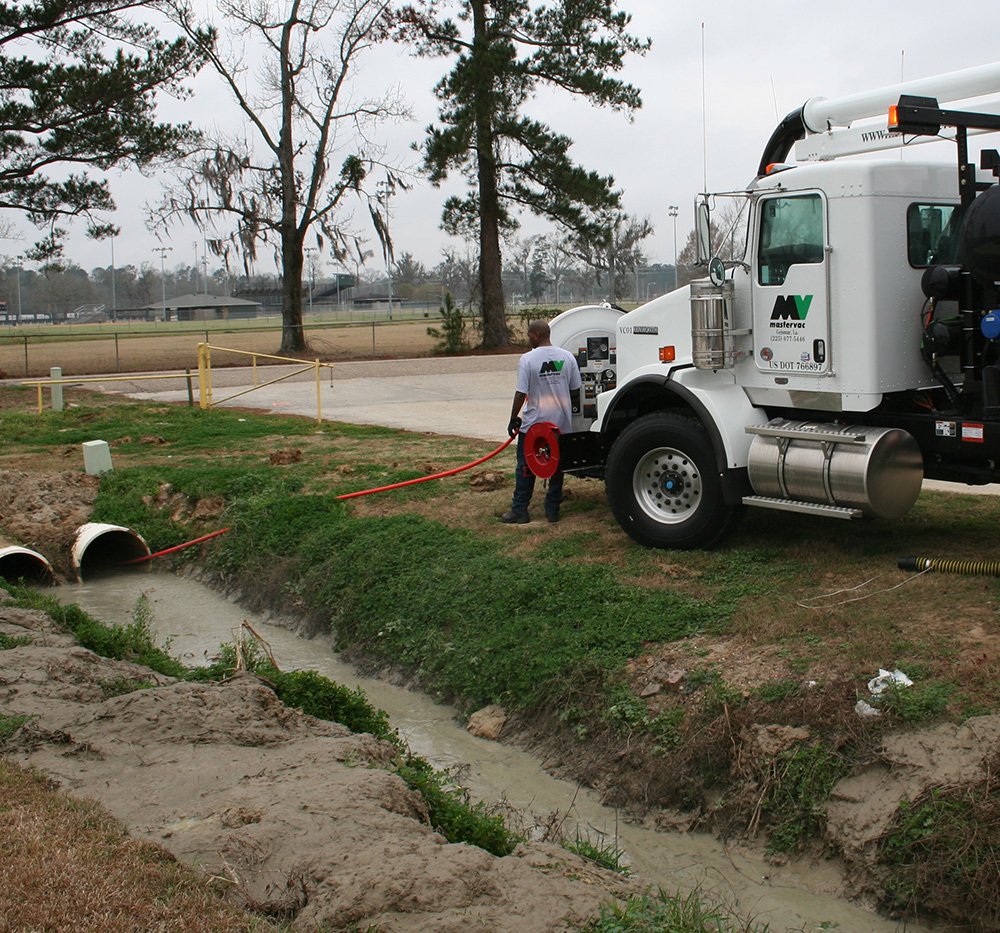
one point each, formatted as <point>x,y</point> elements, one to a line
<point>425,479</point>
<point>176,547</point>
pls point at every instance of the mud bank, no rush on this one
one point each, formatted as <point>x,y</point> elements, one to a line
<point>299,817</point>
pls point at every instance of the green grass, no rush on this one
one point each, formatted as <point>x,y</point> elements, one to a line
<point>665,913</point>
<point>10,641</point>
<point>795,799</point>
<point>10,724</point>
<point>602,852</point>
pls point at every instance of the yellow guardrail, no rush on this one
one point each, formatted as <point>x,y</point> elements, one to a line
<point>206,400</point>
<point>205,395</point>
<point>76,380</point>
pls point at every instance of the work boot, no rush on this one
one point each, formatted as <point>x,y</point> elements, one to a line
<point>553,517</point>
<point>515,518</point>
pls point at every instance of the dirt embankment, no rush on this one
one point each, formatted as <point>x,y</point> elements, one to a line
<point>298,817</point>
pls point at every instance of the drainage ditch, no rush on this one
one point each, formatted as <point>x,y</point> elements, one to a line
<point>195,620</point>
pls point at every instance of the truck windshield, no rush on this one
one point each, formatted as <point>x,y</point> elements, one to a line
<point>791,232</point>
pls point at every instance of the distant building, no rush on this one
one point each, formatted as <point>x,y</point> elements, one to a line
<point>196,308</point>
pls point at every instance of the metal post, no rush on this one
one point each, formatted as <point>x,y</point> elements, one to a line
<point>309,250</point>
<point>118,365</point>
<point>18,289</point>
<point>187,375</point>
<point>163,250</point>
<point>55,372</point>
<point>319,398</point>
<point>26,357</point>
<point>114,299</point>
<point>204,377</point>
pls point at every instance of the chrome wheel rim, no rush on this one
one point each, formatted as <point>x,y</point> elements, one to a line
<point>667,485</point>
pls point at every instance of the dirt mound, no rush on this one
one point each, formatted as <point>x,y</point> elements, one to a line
<point>297,815</point>
<point>43,510</point>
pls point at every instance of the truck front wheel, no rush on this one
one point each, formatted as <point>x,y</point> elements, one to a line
<point>663,485</point>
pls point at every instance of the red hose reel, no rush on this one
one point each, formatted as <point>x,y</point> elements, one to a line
<point>541,449</point>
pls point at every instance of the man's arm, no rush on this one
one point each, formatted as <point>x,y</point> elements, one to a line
<point>515,423</point>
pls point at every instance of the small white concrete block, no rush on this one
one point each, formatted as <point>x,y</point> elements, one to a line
<point>97,457</point>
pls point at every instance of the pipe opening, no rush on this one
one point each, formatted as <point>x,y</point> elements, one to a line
<point>102,550</point>
<point>20,563</point>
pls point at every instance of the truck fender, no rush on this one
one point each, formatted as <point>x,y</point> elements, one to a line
<point>713,398</point>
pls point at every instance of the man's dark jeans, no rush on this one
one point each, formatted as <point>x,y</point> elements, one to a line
<point>524,486</point>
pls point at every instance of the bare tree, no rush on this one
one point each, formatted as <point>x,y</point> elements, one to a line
<point>616,251</point>
<point>276,186</point>
<point>558,257</point>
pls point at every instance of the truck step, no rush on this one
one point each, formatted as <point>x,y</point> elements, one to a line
<point>806,508</point>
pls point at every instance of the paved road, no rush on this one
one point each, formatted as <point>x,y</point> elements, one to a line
<point>468,396</point>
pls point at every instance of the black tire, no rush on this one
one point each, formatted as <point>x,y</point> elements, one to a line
<point>663,484</point>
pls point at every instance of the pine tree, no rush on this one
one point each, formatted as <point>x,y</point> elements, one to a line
<point>503,51</point>
<point>79,85</point>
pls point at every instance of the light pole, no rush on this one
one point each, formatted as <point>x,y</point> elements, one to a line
<point>20,259</point>
<point>386,189</point>
<point>114,299</point>
<point>163,250</point>
<point>309,250</point>
<point>195,245</point>
<point>672,213</point>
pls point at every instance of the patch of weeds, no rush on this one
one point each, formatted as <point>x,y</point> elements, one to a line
<point>629,715</point>
<point>323,698</point>
<point>664,913</point>
<point>119,686</point>
<point>777,690</point>
<point>14,641</point>
<point>132,642</point>
<point>923,702</point>
<point>798,789</point>
<point>10,724</point>
<point>942,856</point>
<point>603,852</point>
<point>452,814</point>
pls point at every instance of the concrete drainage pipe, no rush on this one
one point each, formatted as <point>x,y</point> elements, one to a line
<point>22,563</point>
<point>102,549</point>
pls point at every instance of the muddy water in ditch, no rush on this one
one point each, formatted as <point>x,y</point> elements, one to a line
<point>196,620</point>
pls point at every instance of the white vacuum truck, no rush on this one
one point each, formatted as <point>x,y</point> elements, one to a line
<point>853,351</point>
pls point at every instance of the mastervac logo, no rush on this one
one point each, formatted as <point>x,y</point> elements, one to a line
<point>790,310</point>
<point>551,366</point>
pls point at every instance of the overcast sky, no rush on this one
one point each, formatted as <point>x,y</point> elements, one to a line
<point>760,62</point>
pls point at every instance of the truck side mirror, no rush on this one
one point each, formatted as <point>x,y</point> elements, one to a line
<point>702,226</point>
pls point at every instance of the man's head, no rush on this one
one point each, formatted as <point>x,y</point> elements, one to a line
<point>538,334</point>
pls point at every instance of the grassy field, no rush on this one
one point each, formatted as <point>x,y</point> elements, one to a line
<point>572,626</point>
<point>175,346</point>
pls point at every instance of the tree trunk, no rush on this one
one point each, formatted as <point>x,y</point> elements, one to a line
<point>293,338</point>
<point>495,332</point>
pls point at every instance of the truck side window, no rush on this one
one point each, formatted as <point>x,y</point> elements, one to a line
<point>791,231</point>
<point>931,234</point>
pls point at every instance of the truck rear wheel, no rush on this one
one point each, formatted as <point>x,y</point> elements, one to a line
<point>663,485</point>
